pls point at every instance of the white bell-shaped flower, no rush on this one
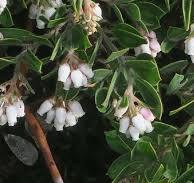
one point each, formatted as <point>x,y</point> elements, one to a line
<point>49,12</point>
<point>56,3</point>
<point>85,69</point>
<point>77,78</point>
<point>50,116</point>
<point>33,11</point>
<point>192,58</point>
<point>40,23</point>
<point>124,124</point>
<point>76,109</point>
<point>60,115</point>
<point>145,48</point>
<point>3,4</point>
<point>58,126</point>
<point>20,108</point>
<point>67,84</point>
<point>149,127</point>
<point>45,107</point>
<point>147,114</point>
<point>134,133</point>
<point>70,119</point>
<point>97,11</point>
<point>11,113</point>
<point>3,119</point>
<point>189,46</point>
<point>139,122</point>
<point>63,72</point>
<point>120,111</point>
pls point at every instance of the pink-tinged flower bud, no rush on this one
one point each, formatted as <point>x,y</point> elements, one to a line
<point>77,78</point>
<point>48,12</point>
<point>149,127</point>
<point>139,122</point>
<point>152,35</point>
<point>147,114</point>
<point>45,107</point>
<point>33,11</point>
<point>154,45</point>
<point>11,113</point>
<point>19,105</point>
<point>3,4</point>
<point>124,124</point>
<point>97,11</point>
<point>63,72</point>
<point>189,46</point>
<point>70,119</point>
<point>85,69</point>
<point>3,119</point>
<point>50,116</point>
<point>60,115</point>
<point>67,84</point>
<point>76,109</point>
<point>134,133</point>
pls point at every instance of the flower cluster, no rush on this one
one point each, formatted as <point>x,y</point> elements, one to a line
<point>152,46</point>
<point>62,114</point>
<point>134,120</point>
<point>189,44</point>
<point>3,4</point>
<point>46,11</point>
<point>73,70</point>
<point>89,16</point>
<point>11,104</point>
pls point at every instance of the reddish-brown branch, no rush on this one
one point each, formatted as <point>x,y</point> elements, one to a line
<point>38,133</point>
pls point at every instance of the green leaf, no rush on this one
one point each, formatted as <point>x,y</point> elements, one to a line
<point>174,67</point>
<point>24,36</point>
<point>144,151</point>
<point>4,62</point>
<point>133,11</point>
<point>176,34</point>
<point>33,62</point>
<point>116,54</point>
<point>186,176</point>
<point>6,18</point>
<point>118,13</point>
<point>116,143</point>
<point>118,165</point>
<point>167,46</point>
<point>171,170</point>
<point>187,140</point>
<point>190,130</point>
<point>158,174</point>
<point>56,49</point>
<point>146,69</point>
<point>150,96</point>
<point>186,8</point>
<point>101,74</point>
<point>176,84</point>
<point>55,22</point>
<point>164,129</point>
<point>134,38</point>
<point>186,105</point>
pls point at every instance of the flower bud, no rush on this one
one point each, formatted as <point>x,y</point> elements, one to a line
<point>134,133</point>
<point>149,127</point>
<point>19,105</point>
<point>49,11</point>
<point>3,119</point>
<point>139,122</point>
<point>97,11</point>
<point>76,109</point>
<point>63,72</point>
<point>154,45</point>
<point>124,124</point>
<point>50,116</point>
<point>67,84</point>
<point>40,23</point>
<point>152,35</point>
<point>56,3</point>
<point>85,69</point>
<point>11,113</point>
<point>58,126</point>
<point>33,11</point>
<point>60,115</point>
<point>189,46</point>
<point>147,114</point>
<point>77,78</point>
<point>3,4</point>
<point>120,111</point>
<point>70,119</point>
<point>45,107</point>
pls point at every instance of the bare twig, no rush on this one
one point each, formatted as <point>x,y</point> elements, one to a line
<point>38,133</point>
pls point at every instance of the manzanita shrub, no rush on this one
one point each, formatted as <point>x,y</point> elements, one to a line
<point>134,58</point>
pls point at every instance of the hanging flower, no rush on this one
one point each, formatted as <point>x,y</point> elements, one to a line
<point>61,114</point>
<point>3,4</point>
<point>89,16</point>
<point>152,46</point>
<point>74,71</point>
<point>189,44</point>
<point>134,118</point>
